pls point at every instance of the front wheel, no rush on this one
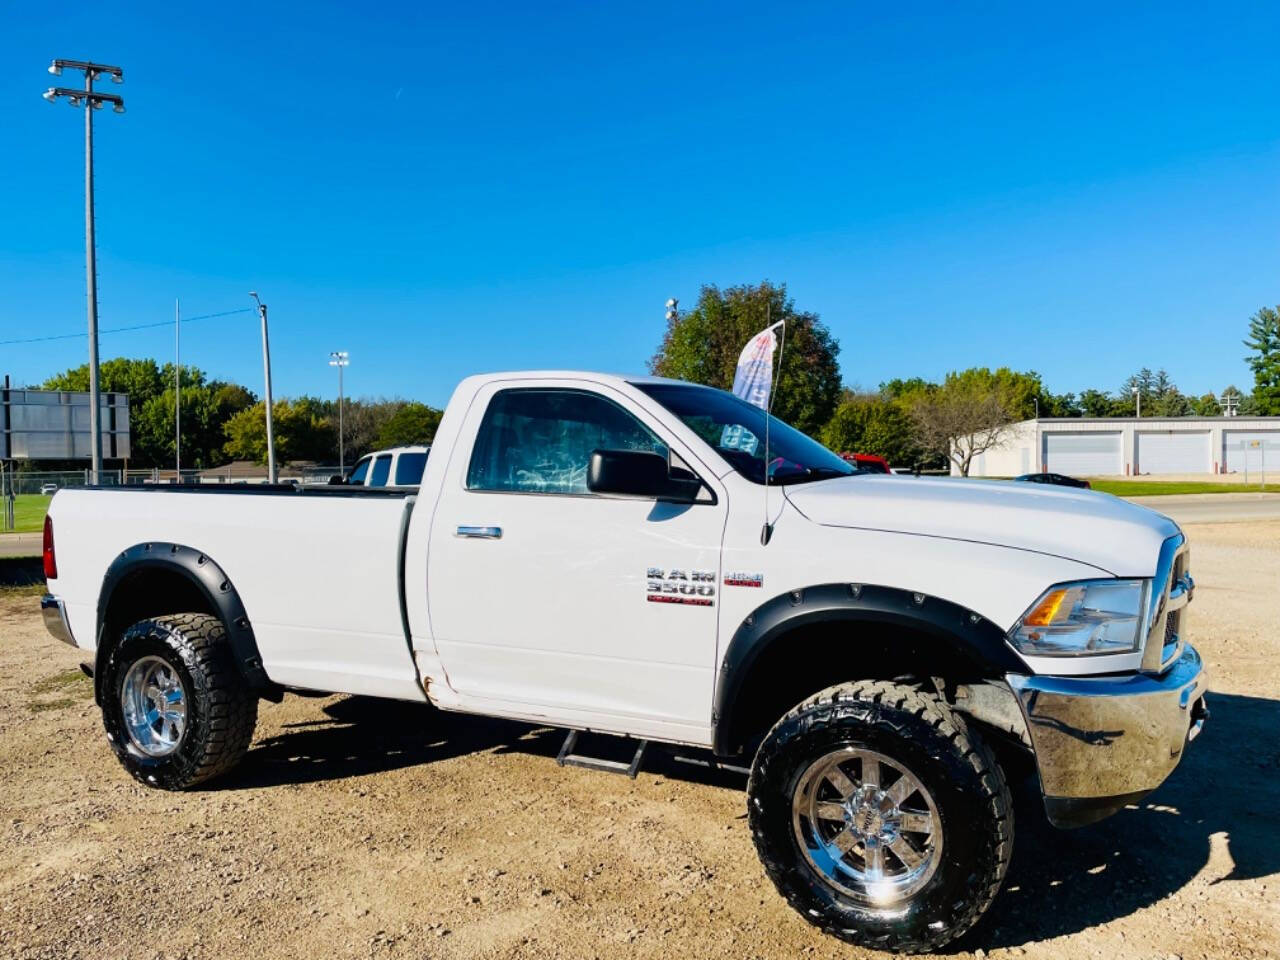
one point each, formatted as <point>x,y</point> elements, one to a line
<point>880,817</point>
<point>176,710</point>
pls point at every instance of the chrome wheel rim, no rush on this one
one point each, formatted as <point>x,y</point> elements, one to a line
<point>155,706</point>
<point>867,826</point>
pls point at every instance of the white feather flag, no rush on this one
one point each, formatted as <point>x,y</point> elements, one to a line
<point>752,381</point>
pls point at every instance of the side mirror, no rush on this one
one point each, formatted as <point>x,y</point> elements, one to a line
<point>638,473</point>
<point>337,480</point>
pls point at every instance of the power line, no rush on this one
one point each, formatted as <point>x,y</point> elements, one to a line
<point>139,326</point>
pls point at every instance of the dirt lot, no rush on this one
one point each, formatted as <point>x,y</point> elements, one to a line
<point>359,828</point>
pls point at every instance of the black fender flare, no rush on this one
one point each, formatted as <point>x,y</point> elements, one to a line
<point>210,580</point>
<point>971,635</point>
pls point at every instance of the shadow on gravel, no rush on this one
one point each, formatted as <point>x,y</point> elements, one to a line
<point>1225,792</point>
<point>364,735</point>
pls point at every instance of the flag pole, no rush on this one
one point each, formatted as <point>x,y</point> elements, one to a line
<point>766,531</point>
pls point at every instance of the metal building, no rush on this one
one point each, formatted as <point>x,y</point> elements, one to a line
<point>1127,446</point>
<point>54,425</point>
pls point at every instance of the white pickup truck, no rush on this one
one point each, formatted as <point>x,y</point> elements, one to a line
<point>604,553</point>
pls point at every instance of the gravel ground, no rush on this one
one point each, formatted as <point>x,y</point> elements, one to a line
<point>359,828</point>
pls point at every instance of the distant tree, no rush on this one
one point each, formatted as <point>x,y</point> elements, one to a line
<point>1061,405</point>
<point>141,379</point>
<point>1096,403</point>
<point>363,421</point>
<point>702,345</point>
<point>871,423</point>
<point>960,419</point>
<point>1159,395</point>
<point>302,432</point>
<point>1264,360</point>
<point>1205,406</point>
<point>1171,403</point>
<point>413,424</point>
<point>898,388</point>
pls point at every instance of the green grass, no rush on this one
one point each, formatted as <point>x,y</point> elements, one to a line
<point>28,512</point>
<point>1156,488</point>
<point>23,590</point>
<point>59,691</point>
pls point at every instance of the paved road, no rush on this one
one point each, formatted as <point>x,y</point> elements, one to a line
<point>1215,507</point>
<point>20,544</point>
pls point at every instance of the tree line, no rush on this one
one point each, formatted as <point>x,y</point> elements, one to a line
<point>911,422</point>
<point>917,422</point>
<point>223,421</point>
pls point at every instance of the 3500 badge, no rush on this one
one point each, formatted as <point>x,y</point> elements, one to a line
<point>693,587</point>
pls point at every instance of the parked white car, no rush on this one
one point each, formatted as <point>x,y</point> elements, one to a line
<point>48,489</point>
<point>621,555</point>
<point>397,467</point>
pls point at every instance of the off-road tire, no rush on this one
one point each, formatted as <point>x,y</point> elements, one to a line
<point>221,711</point>
<point>918,729</point>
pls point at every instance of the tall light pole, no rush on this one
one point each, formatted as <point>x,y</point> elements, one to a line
<point>91,101</point>
<point>1137,398</point>
<point>266,373</point>
<point>673,309</point>
<point>177,390</point>
<point>340,359</point>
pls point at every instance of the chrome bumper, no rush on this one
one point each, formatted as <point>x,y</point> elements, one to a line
<point>1102,742</point>
<point>55,619</point>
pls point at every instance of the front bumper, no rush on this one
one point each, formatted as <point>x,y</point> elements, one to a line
<point>55,619</point>
<point>1102,742</point>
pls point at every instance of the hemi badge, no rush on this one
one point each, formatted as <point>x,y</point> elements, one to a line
<point>744,580</point>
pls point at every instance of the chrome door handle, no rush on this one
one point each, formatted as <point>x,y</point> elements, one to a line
<point>480,533</point>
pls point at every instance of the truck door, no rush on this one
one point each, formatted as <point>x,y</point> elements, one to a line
<point>582,609</point>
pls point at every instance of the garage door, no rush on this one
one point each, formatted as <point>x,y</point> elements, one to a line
<point>1083,454</point>
<point>1243,449</point>
<point>1174,452</point>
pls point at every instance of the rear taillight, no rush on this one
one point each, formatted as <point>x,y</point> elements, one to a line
<point>50,561</point>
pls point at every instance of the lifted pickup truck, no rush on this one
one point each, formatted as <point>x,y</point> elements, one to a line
<point>619,555</point>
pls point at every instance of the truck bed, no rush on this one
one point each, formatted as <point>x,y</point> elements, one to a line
<point>318,570</point>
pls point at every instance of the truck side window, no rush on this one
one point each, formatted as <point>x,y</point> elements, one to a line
<point>358,474</point>
<point>540,440</point>
<point>381,470</point>
<point>409,469</point>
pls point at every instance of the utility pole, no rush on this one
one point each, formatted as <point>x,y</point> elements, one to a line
<point>266,373</point>
<point>177,389</point>
<point>340,359</point>
<point>91,100</point>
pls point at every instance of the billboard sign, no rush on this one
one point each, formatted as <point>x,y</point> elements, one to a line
<point>54,425</point>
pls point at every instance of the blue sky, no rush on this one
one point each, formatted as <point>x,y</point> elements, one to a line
<point>447,188</point>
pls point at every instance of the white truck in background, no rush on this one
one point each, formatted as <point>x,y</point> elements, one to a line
<point>620,555</point>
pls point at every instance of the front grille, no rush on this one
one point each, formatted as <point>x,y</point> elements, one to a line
<point>1165,634</point>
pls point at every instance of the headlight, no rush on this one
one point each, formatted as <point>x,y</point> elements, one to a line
<point>1083,618</point>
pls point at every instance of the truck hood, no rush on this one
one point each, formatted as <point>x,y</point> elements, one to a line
<point>1118,537</point>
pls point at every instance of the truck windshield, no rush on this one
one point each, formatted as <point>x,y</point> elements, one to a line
<point>735,429</point>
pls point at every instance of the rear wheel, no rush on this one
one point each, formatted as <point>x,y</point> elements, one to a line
<point>176,710</point>
<point>880,817</point>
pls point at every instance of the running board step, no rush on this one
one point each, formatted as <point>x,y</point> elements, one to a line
<point>567,758</point>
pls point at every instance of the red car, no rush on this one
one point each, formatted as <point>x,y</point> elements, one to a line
<point>866,462</point>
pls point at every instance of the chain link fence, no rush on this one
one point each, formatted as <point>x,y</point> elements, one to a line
<point>14,484</point>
